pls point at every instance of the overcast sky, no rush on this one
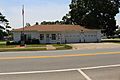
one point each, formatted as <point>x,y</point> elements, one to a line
<point>35,11</point>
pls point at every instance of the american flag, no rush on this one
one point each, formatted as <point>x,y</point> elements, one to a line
<point>23,10</point>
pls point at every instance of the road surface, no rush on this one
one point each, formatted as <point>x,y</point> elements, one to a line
<point>99,64</point>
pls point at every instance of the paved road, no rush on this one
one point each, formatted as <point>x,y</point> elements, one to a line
<point>15,62</point>
<point>112,73</point>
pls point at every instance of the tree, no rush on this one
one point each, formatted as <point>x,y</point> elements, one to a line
<point>36,23</point>
<point>67,19</point>
<point>4,26</point>
<point>27,25</point>
<point>118,31</point>
<point>97,14</point>
<point>52,22</point>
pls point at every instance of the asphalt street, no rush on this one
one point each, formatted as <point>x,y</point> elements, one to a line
<point>112,73</point>
<point>37,65</point>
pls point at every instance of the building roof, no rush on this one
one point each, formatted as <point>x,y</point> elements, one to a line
<point>47,28</point>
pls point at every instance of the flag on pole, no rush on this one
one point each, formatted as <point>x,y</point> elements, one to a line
<point>23,10</point>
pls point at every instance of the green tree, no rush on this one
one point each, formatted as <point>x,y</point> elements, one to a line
<point>118,31</point>
<point>98,14</point>
<point>43,23</point>
<point>27,25</point>
<point>4,26</point>
<point>52,22</point>
<point>36,23</point>
<point>67,19</point>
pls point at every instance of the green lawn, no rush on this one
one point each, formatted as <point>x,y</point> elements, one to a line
<point>3,45</point>
<point>15,46</point>
<point>62,46</point>
<point>31,47</point>
<point>116,40</point>
<point>36,45</point>
<point>58,45</point>
<point>21,49</point>
<point>2,42</point>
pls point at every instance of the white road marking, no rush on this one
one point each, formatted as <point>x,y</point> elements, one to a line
<point>85,75</point>
<point>62,70</point>
<point>98,67</point>
<point>33,72</point>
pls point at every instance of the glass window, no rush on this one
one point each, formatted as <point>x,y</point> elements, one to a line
<point>29,36</point>
<point>41,36</point>
<point>53,36</point>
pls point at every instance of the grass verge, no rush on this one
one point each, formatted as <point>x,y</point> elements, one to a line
<point>111,41</point>
<point>21,49</point>
<point>64,47</point>
<point>31,47</point>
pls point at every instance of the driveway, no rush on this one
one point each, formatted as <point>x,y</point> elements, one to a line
<point>85,46</point>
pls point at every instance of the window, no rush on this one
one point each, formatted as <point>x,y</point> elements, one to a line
<point>41,36</point>
<point>29,36</point>
<point>53,36</point>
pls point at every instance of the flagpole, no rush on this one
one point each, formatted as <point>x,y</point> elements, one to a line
<point>23,26</point>
<point>23,20</point>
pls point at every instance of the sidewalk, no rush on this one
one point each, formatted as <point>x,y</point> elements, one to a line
<point>84,46</point>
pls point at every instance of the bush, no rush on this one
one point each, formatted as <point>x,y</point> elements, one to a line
<point>35,41</point>
<point>8,43</point>
<point>12,43</point>
<point>28,42</point>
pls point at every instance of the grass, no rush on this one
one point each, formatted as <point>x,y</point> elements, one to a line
<point>63,47</point>
<point>14,46</point>
<point>2,42</point>
<point>3,45</point>
<point>7,46</point>
<point>111,40</point>
<point>36,45</point>
<point>58,45</point>
<point>31,47</point>
<point>21,49</point>
<point>116,40</point>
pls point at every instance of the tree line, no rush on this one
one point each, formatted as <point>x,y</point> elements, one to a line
<point>92,14</point>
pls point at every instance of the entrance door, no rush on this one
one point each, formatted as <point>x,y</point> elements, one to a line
<point>47,38</point>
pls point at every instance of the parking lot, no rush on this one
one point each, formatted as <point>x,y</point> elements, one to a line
<point>109,72</point>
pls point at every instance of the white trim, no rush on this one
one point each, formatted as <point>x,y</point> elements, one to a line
<point>98,67</point>
<point>85,75</point>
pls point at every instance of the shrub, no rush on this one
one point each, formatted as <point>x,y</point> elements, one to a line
<point>28,42</point>
<point>35,41</point>
<point>12,43</point>
<point>8,43</point>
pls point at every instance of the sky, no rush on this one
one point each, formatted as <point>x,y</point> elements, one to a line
<point>35,11</point>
